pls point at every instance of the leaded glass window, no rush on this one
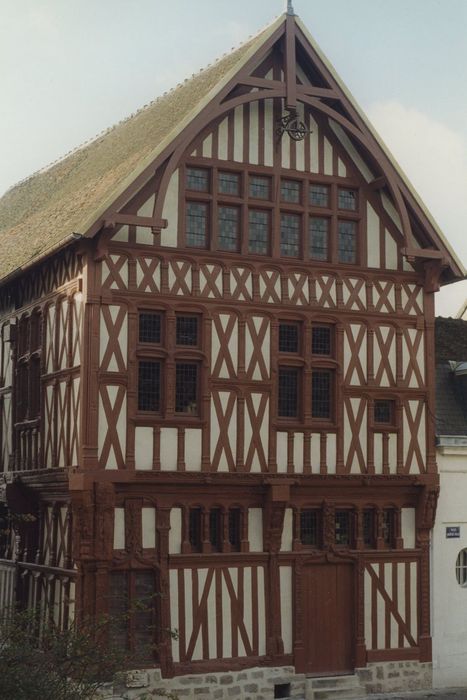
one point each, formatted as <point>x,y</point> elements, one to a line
<point>343,527</point>
<point>258,232</point>
<point>196,224</point>
<point>291,191</point>
<point>186,388</point>
<point>347,242</point>
<point>384,411</point>
<point>310,527</point>
<point>186,330</point>
<point>235,529</point>
<point>321,340</point>
<point>260,187</point>
<point>149,328</point>
<point>288,392</point>
<point>288,337</point>
<point>229,183</point>
<point>318,238</point>
<point>347,199</point>
<point>321,394</point>
<point>197,179</point>
<point>228,228</point>
<point>149,386</point>
<point>290,235</point>
<point>319,196</point>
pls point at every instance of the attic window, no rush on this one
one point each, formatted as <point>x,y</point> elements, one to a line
<point>197,179</point>
<point>347,199</point>
<point>319,195</point>
<point>229,183</point>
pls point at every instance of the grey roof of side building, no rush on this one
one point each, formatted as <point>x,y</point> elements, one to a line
<point>451,389</point>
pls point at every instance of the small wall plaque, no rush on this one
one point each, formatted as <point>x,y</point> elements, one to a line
<point>453,531</point>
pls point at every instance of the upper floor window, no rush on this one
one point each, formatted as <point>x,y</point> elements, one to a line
<point>158,392</point>
<point>247,212</point>
<point>28,368</point>
<point>293,358</point>
<point>384,412</point>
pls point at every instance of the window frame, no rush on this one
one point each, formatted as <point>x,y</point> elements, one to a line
<point>170,354</point>
<point>276,206</point>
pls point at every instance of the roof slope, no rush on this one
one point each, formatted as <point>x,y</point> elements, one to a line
<point>41,212</point>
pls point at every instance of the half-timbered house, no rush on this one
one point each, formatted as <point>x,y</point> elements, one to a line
<point>217,380</point>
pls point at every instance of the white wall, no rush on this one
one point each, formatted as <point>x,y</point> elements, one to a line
<point>449,599</point>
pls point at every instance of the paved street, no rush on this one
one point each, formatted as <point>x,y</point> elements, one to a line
<point>447,694</point>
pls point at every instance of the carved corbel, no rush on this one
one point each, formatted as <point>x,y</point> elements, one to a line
<point>101,250</point>
<point>82,503</point>
<point>426,513</point>
<point>433,272</point>
<point>104,520</point>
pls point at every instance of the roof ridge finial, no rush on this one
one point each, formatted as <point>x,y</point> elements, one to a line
<point>290,10</point>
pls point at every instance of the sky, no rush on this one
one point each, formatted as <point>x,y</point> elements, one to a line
<point>71,68</point>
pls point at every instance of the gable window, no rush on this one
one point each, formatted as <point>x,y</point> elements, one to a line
<point>177,393</point>
<point>291,191</point>
<point>246,212</point>
<point>347,242</point>
<point>319,195</point>
<point>229,183</point>
<point>228,228</point>
<point>260,187</point>
<point>290,235</point>
<point>258,232</point>
<point>318,238</point>
<point>197,179</point>
<point>196,224</point>
<point>346,199</point>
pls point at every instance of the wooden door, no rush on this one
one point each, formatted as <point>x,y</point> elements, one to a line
<point>328,592</point>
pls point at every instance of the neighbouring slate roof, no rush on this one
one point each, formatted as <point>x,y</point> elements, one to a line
<point>451,389</point>
<point>40,213</point>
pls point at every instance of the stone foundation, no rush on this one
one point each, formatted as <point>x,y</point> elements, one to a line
<point>394,676</point>
<point>263,683</point>
<point>250,684</point>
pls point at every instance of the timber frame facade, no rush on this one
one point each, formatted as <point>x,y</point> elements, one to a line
<point>223,390</point>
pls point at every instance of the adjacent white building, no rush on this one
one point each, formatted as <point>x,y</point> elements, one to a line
<point>449,541</point>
